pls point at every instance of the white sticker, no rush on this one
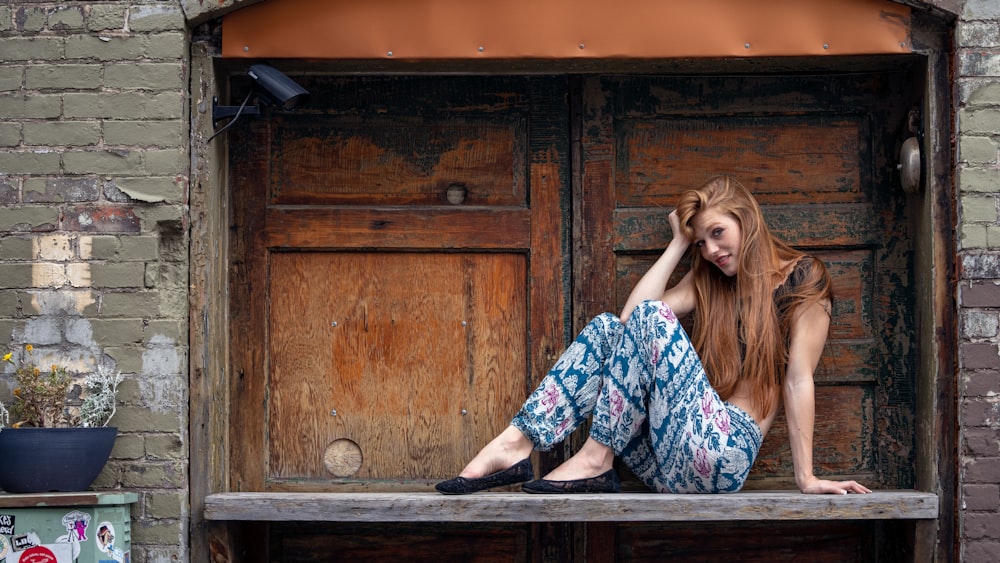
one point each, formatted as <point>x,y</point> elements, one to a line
<point>106,537</point>
<point>76,523</point>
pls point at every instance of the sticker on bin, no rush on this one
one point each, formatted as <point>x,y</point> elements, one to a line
<point>4,547</point>
<point>76,523</point>
<point>48,553</point>
<point>6,525</point>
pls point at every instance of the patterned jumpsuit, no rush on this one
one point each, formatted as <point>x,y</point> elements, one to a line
<point>651,403</point>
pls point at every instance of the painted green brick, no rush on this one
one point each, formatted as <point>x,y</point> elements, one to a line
<point>127,358</point>
<point>128,446</point>
<point>156,18</point>
<point>98,247</point>
<point>107,162</point>
<point>128,391</point>
<point>164,505</point>
<point>106,16</point>
<point>30,162</point>
<point>70,77</point>
<point>974,236</point>
<point>150,475</point>
<point>152,215</point>
<point>17,275</point>
<point>163,162</point>
<point>140,247</point>
<point>167,46</point>
<point>128,105</point>
<point>978,150</point>
<point>11,76</point>
<point>30,19</point>
<point>31,48</point>
<point>979,209</point>
<point>145,76</point>
<point>173,302</point>
<point>993,236</point>
<point>10,303</point>
<point>116,332</point>
<point>66,18</point>
<point>132,304</point>
<point>39,106</point>
<point>141,419</point>
<point>105,48</point>
<point>980,120</point>
<point>981,180</point>
<point>144,133</point>
<point>117,275</point>
<point>62,133</point>
<point>5,18</point>
<point>153,532</point>
<point>17,248</point>
<point>167,275</point>
<point>10,134</point>
<point>33,218</point>
<point>985,95</point>
<point>7,328</point>
<point>164,446</point>
<point>175,330</point>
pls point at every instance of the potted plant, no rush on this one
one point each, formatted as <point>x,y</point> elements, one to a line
<point>45,444</point>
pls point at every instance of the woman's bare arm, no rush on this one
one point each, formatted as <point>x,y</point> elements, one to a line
<point>809,331</point>
<point>653,284</point>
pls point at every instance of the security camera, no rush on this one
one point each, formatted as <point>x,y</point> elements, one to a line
<point>271,86</point>
<point>276,87</point>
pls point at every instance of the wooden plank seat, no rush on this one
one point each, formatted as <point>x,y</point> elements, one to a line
<point>522,507</point>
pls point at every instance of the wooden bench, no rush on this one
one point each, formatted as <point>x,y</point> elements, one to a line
<point>522,507</point>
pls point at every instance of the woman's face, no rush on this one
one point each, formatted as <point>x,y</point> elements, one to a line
<point>718,236</point>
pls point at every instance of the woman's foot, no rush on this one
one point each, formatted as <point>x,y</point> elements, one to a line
<point>592,460</point>
<point>504,461</point>
<point>590,470</point>
<point>507,449</point>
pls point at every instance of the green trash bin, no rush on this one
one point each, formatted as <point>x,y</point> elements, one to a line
<point>90,527</point>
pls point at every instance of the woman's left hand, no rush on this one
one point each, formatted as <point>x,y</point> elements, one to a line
<point>821,486</point>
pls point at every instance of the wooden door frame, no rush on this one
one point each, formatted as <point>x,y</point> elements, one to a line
<point>935,218</point>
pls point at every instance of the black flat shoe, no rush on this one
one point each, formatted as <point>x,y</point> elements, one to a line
<point>604,483</point>
<point>517,473</point>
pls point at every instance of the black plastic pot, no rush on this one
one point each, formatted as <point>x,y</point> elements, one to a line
<point>41,460</point>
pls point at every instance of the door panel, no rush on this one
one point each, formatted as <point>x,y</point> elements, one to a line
<point>393,161</point>
<point>357,360</point>
<point>806,149</point>
<point>398,283</point>
<point>817,152</point>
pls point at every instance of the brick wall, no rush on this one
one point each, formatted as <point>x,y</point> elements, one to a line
<point>93,225</point>
<point>94,235</point>
<point>978,61</point>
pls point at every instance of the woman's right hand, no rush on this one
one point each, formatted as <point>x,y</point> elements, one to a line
<point>675,228</point>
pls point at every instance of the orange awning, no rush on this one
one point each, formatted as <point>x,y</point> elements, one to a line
<point>517,29</point>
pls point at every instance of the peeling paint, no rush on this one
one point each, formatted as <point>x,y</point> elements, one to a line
<point>141,195</point>
<point>160,383</point>
<point>59,302</point>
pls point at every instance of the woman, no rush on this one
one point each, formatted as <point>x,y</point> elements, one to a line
<point>685,415</point>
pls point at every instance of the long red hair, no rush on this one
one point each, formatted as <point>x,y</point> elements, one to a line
<point>738,331</point>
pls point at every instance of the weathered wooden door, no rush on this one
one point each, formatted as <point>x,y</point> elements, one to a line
<point>410,254</point>
<point>819,154</point>
<point>398,277</point>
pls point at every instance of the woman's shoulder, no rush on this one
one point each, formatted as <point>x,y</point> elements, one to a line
<point>807,272</point>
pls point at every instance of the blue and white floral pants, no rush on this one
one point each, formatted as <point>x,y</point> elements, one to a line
<point>651,403</point>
